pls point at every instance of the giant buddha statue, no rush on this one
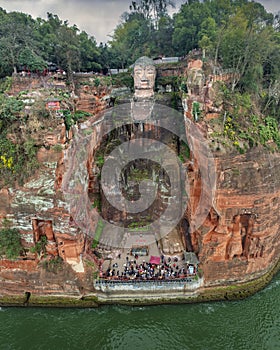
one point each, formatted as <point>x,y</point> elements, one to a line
<point>144,74</point>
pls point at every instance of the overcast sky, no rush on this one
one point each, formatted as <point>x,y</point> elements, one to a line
<point>97,17</point>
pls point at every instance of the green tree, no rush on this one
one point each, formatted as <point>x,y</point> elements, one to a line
<point>131,40</point>
<point>187,26</point>
<point>40,246</point>
<point>89,53</point>
<point>10,243</point>
<point>271,79</point>
<point>163,37</point>
<point>68,50</point>
<point>221,10</point>
<point>105,56</point>
<point>246,44</point>
<point>30,60</point>
<point>208,36</point>
<point>16,33</point>
<point>10,109</point>
<point>46,35</point>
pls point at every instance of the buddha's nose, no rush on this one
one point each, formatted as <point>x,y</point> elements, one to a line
<point>144,76</point>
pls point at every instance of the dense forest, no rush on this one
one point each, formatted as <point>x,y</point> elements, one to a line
<point>238,33</point>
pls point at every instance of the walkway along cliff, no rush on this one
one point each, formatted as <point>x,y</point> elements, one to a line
<point>65,259</point>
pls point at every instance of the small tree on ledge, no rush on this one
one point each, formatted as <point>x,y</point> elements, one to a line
<point>10,242</point>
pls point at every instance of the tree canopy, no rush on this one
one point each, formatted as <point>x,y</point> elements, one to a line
<point>31,44</point>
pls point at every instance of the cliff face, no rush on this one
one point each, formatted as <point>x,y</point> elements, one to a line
<point>240,238</point>
<point>238,241</point>
<point>39,210</point>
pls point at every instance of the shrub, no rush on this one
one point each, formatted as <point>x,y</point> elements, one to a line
<point>81,115</point>
<point>196,110</point>
<point>6,84</point>
<point>53,265</point>
<point>169,80</point>
<point>57,147</point>
<point>97,204</point>
<point>10,108</point>
<point>40,246</point>
<point>269,131</point>
<point>100,161</point>
<point>68,119</point>
<point>10,243</point>
<point>123,79</point>
<point>96,82</point>
<point>184,154</point>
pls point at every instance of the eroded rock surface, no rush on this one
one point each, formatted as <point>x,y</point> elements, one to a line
<point>238,241</point>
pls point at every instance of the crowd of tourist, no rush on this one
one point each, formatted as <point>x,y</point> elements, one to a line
<point>138,269</point>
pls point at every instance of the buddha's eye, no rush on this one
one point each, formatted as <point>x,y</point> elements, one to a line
<point>150,71</point>
<point>138,71</point>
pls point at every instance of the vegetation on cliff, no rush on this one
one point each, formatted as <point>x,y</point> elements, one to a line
<point>10,242</point>
<point>17,156</point>
<point>237,35</point>
<point>241,123</point>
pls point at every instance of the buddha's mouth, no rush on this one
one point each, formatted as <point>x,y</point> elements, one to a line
<point>144,84</point>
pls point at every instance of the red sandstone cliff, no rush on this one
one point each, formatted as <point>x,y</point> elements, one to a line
<point>237,242</point>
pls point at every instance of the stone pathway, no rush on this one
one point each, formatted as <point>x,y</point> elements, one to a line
<point>119,262</point>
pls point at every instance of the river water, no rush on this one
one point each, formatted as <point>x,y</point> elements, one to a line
<point>249,324</point>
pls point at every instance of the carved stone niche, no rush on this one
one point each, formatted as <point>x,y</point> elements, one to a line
<point>172,243</point>
<point>195,79</point>
<point>253,246</point>
<point>186,235</point>
<point>43,228</point>
<point>242,241</point>
<point>70,247</point>
<point>234,244</point>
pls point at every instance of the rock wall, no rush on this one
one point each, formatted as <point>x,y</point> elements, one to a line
<point>90,98</point>
<point>241,237</point>
<point>39,210</point>
<point>238,241</point>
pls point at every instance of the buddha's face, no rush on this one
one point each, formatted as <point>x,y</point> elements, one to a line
<point>144,77</point>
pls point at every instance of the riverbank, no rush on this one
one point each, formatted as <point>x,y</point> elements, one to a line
<point>254,324</point>
<point>153,297</point>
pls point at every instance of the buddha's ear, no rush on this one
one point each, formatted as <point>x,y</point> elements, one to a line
<point>132,70</point>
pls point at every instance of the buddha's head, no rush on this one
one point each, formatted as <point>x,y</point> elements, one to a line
<point>144,74</point>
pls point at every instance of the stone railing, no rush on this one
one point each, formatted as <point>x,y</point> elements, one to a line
<point>178,284</point>
<point>224,74</point>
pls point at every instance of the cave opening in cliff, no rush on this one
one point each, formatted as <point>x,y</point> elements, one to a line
<point>27,297</point>
<point>187,235</point>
